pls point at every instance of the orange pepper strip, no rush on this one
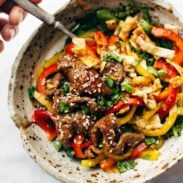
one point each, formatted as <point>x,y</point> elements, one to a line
<point>161,32</point>
<point>100,38</point>
<point>107,163</point>
<point>113,39</point>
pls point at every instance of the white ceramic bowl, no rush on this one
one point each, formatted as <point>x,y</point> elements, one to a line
<point>43,44</point>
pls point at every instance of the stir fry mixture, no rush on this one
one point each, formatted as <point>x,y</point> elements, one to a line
<point>115,93</point>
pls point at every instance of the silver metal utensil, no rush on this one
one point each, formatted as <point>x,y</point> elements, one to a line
<point>43,15</point>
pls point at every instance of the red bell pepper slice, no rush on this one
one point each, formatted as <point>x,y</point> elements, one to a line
<point>129,101</point>
<point>78,150</point>
<point>171,72</point>
<point>113,39</point>
<point>100,38</point>
<point>42,78</point>
<point>169,69</point>
<point>170,94</point>
<point>78,146</point>
<point>168,103</point>
<point>44,119</point>
<point>68,48</point>
<point>140,148</point>
<point>161,32</point>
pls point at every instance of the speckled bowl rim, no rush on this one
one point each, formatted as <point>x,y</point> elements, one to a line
<point>39,159</point>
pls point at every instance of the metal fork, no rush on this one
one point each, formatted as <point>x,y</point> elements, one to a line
<point>43,16</point>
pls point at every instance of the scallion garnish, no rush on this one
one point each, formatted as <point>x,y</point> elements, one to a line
<point>150,140</point>
<point>86,109</point>
<point>110,83</point>
<point>66,88</point>
<point>161,73</point>
<point>114,55</point>
<point>64,107</point>
<point>57,144</point>
<point>126,86</point>
<point>31,91</point>
<point>125,165</point>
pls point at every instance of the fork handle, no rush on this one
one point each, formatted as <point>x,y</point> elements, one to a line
<point>36,11</point>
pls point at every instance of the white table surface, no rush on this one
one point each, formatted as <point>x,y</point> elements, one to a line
<point>15,164</point>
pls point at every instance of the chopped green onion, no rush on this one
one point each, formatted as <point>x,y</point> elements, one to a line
<point>144,56</point>
<point>161,73</point>
<point>146,26</point>
<point>86,109</point>
<point>109,103</point>
<point>31,91</point>
<point>125,165</point>
<point>69,151</point>
<point>116,97</point>
<point>64,107</point>
<point>121,167</point>
<point>152,70</point>
<point>66,88</point>
<point>150,140</point>
<point>101,101</point>
<point>126,86</point>
<point>175,131</point>
<point>114,55</point>
<point>57,145</point>
<point>110,83</point>
<point>104,15</point>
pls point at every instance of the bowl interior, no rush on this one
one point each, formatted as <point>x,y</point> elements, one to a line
<point>44,43</point>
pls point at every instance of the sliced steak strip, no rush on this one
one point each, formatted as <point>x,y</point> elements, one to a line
<point>84,80</point>
<point>70,124</point>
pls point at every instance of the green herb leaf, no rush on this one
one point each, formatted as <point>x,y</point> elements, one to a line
<point>114,55</point>
<point>110,83</point>
<point>152,70</point>
<point>150,140</point>
<point>125,165</point>
<point>31,91</point>
<point>69,151</point>
<point>161,73</point>
<point>109,103</point>
<point>86,109</point>
<point>66,88</point>
<point>57,144</point>
<point>104,15</point>
<point>126,86</point>
<point>146,26</point>
<point>64,107</point>
<point>121,167</point>
<point>116,97</point>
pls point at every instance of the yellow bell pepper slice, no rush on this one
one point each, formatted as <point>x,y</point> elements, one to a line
<point>118,157</point>
<point>180,111</point>
<point>166,126</point>
<point>43,101</point>
<point>148,114</point>
<point>150,154</point>
<point>128,117</point>
<point>92,162</point>
<point>144,72</point>
<point>180,99</point>
<point>89,34</point>
<point>47,63</point>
